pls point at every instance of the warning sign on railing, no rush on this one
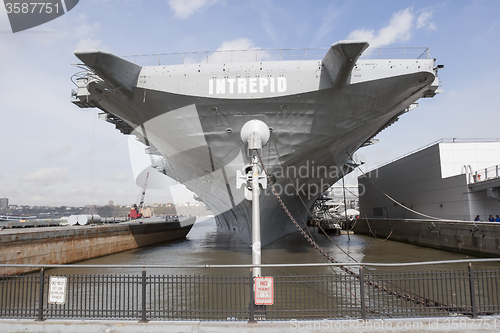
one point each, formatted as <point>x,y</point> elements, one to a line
<point>264,290</point>
<point>57,290</point>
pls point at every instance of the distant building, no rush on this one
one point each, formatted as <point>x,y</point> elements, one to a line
<point>448,180</point>
<point>4,203</point>
<point>110,203</point>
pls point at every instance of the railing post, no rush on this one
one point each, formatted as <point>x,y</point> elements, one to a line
<point>362,292</point>
<point>40,296</point>
<point>143,317</point>
<point>472,290</point>
<point>251,309</point>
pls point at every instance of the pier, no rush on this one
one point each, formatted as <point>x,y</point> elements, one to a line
<point>61,245</point>
<point>481,239</point>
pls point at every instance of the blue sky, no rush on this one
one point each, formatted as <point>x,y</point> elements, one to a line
<point>54,153</point>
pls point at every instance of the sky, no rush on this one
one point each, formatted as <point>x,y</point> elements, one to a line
<point>54,153</point>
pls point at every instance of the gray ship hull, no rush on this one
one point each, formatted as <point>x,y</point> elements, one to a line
<point>314,133</point>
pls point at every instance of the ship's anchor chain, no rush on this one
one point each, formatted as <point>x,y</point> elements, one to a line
<point>407,297</point>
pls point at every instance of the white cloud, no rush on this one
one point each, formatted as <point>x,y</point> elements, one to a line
<point>399,29</point>
<point>48,175</point>
<point>236,44</point>
<point>90,44</point>
<point>186,8</point>
<point>85,33</point>
<point>362,34</point>
<point>238,50</point>
<point>82,28</point>
<point>424,21</point>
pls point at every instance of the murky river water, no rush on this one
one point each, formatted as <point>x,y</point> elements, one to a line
<point>204,245</point>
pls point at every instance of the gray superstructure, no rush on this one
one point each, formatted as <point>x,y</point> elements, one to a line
<point>319,113</point>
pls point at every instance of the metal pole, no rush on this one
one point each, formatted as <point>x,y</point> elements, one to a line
<point>143,317</point>
<point>255,133</point>
<point>252,298</point>
<point>345,210</point>
<point>40,296</point>
<point>362,292</point>
<point>256,245</point>
<point>472,291</point>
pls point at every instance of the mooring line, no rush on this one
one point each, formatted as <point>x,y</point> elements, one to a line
<point>381,240</point>
<point>392,199</point>
<point>303,203</point>
<point>407,297</point>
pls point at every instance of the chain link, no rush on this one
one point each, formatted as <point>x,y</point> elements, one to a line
<point>407,297</point>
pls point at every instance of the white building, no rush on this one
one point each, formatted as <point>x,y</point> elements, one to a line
<point>450,179</point>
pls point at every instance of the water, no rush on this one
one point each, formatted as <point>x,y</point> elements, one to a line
<point>205,246</point>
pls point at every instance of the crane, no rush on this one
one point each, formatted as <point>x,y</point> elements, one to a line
<point>136,211</point>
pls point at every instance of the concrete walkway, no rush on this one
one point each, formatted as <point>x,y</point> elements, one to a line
<point>446,324</point>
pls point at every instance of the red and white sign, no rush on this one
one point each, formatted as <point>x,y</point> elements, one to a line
<point>264,290</point>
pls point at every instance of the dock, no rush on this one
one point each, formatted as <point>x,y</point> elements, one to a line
<point>479,239</point>
<point>69,244</point>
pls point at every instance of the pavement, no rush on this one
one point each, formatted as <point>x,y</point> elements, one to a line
<point>408,325</point>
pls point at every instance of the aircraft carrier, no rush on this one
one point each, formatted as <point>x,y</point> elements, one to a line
<point>318,113</point>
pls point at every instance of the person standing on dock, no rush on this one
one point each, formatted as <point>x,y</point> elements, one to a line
<point>497,219</point>
<point>491,218</point>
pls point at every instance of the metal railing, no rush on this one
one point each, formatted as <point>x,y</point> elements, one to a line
<point>368,294</point>
<point>442,140</point>
<point>484,174</point>
<point>257,54</point>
